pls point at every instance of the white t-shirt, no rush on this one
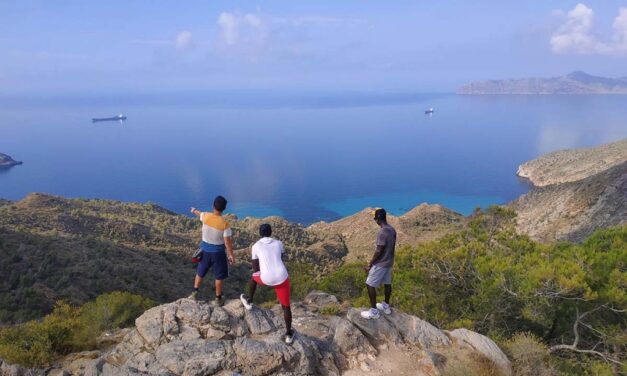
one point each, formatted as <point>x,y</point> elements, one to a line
<point>268,251</point>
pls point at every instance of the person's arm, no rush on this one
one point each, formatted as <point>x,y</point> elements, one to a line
<point>195,212</point>
<point>228,242</point>
<point>376,256</point>
<point>255,260</point>
<point>381,240</point>
<point>255,265</point>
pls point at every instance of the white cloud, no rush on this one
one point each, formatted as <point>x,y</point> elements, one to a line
<point>237,28</point>
<point>183,40</point>
<point>576,34</point>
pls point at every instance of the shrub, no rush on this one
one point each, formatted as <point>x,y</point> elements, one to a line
<point>529,356</point>
<point>109,311</point>
<point>66,329</point>
<point>38,343</point>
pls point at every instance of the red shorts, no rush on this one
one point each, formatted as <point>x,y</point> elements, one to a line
<point>282,291</point>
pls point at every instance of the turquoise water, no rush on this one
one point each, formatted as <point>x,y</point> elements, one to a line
<point>307,157</point>
<point>400,203</point>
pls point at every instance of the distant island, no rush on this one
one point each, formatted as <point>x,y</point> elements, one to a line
<point>6,161</point>
<point>574,83</point>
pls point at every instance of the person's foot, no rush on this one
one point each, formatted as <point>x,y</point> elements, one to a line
<point>289,337</point>
<point>371,314</point>
<point>248,305</point>
<point>193,295</point>
<point>219,301</point>
<point>385,308</point>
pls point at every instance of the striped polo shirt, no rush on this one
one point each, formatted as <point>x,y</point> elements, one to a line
<point>214,229</point>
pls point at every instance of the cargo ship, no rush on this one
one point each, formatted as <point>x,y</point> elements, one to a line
<point>120,117</point>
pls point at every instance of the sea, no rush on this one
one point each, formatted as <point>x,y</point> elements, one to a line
<point>303,156</point>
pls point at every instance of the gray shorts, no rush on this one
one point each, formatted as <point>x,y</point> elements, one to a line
<point>378,276</point>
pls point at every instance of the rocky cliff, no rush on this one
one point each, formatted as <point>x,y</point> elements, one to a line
<point>573,164</point>
<point>195,338</point>
<point>577,192</point>
<point>6,161</point>
<point>574,83</point>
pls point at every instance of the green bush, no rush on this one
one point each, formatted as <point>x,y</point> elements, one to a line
<point>108,311</point>
<point>529,356</point>
<point>66,329</point>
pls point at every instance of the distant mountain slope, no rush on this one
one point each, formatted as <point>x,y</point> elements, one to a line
<point>574,83</point>
<point>574,164</point>
<point>573,210</point>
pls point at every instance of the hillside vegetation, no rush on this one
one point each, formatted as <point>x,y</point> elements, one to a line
<point>571,297</point>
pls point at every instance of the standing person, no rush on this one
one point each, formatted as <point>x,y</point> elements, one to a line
<point>217,247</point>
<point>269,270</point>
<point>380,267</point>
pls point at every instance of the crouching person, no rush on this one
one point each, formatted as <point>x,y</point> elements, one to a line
<point>269,270</point>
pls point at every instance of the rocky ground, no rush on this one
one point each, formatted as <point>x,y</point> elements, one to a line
<point>571,165</point>
<point>195,338</point>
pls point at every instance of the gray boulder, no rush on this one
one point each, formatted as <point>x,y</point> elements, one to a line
<point>484,346</point>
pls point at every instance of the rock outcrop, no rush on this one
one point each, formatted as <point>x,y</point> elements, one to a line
<point>577,191</point>
<point>573,83</point>
<point>570,165</point>
<point>195,338</point>
<point>6,161</point>
<point>574,210</point>
<point>423,223</point>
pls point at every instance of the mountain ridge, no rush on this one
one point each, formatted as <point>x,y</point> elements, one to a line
<point>577,82</point>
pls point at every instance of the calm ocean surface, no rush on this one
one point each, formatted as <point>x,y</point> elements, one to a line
<point>306,157</point>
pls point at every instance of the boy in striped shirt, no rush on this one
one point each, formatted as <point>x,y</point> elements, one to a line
<point>217,247</point>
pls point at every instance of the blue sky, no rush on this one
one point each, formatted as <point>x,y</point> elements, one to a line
<point>156,46</point>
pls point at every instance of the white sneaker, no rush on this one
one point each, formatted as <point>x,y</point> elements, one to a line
<point>244,300</point>
<point>371,314</point>
<point>385,308</point>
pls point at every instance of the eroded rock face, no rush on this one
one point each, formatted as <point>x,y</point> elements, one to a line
<point>192,338</point>
<point>485,346</point>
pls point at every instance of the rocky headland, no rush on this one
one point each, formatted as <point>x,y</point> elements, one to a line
<point>573,83</point>
<point>196,338</point>
<point>570,165</point>
<point>6,161</point>
<point>576,192</point>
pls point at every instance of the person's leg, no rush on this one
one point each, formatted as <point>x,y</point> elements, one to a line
<point>283,294</point>
<point>372,282</point>
<point>287,316</point>
<point>372,294</point>
<point>197,282</point>
<point>388,293</point>
<point>218,288</point>
<point>220,268</point>
<point>252,287</point>
<point>201,272</point>
<point>247,300</point>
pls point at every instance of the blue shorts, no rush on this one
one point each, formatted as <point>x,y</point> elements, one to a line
<point>217,262</point>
